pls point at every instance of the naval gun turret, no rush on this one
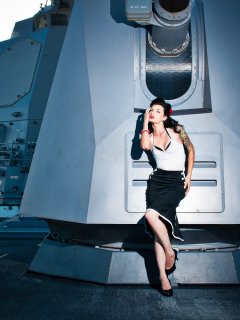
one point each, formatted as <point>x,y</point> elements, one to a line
<point>169,21</point>
<point>88,174</point>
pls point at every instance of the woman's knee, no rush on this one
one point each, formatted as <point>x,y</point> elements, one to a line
<point>151,216</point>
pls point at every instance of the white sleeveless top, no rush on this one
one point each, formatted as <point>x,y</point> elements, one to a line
<point>173,158</point>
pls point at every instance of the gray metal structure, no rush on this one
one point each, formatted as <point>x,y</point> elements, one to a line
<point>27,62</point>
<point>88,173</point>
<point>22,227</point>
<point>111,266</point>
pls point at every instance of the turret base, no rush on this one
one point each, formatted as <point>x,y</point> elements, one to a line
<point>113,266</point>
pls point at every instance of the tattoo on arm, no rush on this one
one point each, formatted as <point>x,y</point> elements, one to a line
<point>186,141</point>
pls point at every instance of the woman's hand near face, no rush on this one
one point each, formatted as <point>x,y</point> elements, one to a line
<point>145,140</point>
<point>146,119</point>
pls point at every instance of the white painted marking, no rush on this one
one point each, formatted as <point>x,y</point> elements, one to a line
<point>4,255</point>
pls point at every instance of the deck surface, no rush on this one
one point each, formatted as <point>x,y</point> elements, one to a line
<point>26,295</point>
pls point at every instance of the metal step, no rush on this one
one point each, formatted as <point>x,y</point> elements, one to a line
<point>23,227</point>
<point>139,267</point>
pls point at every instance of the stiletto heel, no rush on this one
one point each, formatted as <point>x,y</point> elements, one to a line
<point>175,251</point>
<point>173,268</point>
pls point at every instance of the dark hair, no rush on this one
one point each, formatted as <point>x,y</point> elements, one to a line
<point>169,122</point>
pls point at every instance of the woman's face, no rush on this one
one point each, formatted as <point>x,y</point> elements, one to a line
<point>156,114</point>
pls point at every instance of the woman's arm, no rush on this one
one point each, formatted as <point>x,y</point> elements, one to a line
<point>191,155</point>
<point>146,143</point>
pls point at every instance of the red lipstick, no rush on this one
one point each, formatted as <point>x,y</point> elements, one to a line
<point>151,117</point>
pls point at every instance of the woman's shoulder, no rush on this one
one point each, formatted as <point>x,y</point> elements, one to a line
<point>176,130</point>
<point>176,134</point>
<point>179,127</point>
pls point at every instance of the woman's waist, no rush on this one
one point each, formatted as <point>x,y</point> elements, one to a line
<point>170,163</point>
<point>168,172</point>
<point>169,168</point>
<point>167,176</point>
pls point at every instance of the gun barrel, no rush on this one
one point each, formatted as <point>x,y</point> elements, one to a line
<point>173,17</point>
<point>174,5</point>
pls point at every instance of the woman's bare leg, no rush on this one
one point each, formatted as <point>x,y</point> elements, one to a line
<point>160,230</point>
<point>161,261</point>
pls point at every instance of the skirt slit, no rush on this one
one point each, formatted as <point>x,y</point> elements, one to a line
<point>164,192</point>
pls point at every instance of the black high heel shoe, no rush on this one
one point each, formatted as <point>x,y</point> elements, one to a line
<point>166,293</point>
<point>173,268</point>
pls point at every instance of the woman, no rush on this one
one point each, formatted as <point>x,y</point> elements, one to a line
<point>167,184</point>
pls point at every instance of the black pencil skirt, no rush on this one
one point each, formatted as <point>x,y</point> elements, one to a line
<point>165,190</point>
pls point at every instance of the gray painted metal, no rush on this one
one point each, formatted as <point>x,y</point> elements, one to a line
<point>197,98</point>
<point>138,10</point>
<point>79,117</point>
<point>48,16</point>
<point>168,77</point>
<point>169,38</point>
<point>18,65</point>
<point>46,72</point>
<point>169,29</point>
<point>95,267</point>
<point>236,258</point>
<point>19,227</point>
<point>23,104</point>
<point>81,147</point>
<point>8,211</point>
<point>133,236</point>
<point>206,268</point>
<point>22,27</point>
<point>77,120</point>
<point>21,122</point>
<point>130,267</point>
<point>93,192</point>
